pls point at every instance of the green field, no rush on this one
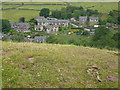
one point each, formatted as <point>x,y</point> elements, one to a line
<point>14,15</point>
<point>32,65</point>
<point>39,7</point>
<point>103,7</point>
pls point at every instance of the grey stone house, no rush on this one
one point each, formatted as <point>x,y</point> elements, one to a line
<point>21,27</point>
<point>83,19</point>
<point>61,23</point>
<point>47,29</point>
<point>39,28</point>
<point>50,24</point>
<point>41,39</point>
<point>40,18</point>
<point>48,18</point>
<point>51,28</point>
<point>94,20</point>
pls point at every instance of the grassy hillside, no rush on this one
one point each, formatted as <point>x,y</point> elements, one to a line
<point>103,7</point>
<point>33,65</point>
<point>14,15</point>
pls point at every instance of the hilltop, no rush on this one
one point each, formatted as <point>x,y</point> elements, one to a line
<point>36,65</point>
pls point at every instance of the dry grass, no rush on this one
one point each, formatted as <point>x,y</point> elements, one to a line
<point>56,66</point>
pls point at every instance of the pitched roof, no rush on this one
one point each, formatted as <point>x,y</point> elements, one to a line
<point>40,37</point>
<point>93,17</point>
<point>37,26</point>
<point>23,24</point>
<point>60,21</point>
<point>12,23</point>
<point>52,26</point>
<point>51,18</point>
<point>38,17</point>
<point>82,17</point>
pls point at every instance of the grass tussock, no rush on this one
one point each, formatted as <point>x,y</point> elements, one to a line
<point>34,65</point>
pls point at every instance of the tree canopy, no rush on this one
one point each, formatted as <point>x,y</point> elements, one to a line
<point>22,19</point>
<point>44,12</point>
<point>5,25</point>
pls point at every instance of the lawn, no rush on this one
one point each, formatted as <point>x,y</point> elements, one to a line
<point>34,65</point>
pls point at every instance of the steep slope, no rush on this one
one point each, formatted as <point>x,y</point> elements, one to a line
<point>34,65</point>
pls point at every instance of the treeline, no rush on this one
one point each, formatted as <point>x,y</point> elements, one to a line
<point>73,11</point>
<point>103,38</point>
<point>68,12</point>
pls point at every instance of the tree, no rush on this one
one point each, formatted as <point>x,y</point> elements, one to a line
<point>113,20</point>
<point>71,8</point>
<point>119,19</point>
<point>92,12</point>
<point>100,32</point>
<point>64,13</point>
<point>13,32</point>
<point>5,25</point>
<point>81,8</point>
<point>44,12</point>
<point>77,13</point>
<point>56,14</point>
<point>18,38</point>
<point>86,33</point>
<point>113,17</point>
<point>33,21</point>
<point>51,39</point>
<point>116,36</point>
<point>102,22</point>
<point>22,19</point>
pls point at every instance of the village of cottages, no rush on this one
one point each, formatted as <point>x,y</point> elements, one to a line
<point>52,25</point>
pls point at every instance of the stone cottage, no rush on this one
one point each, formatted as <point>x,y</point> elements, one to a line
<point>94,20</point>
<point>51,28</point>
<point>83,19</point>
<point>39,28</point>
<point>61,23</point>
<point>21,27</point>
<point>40,18</point>
<point>41,39</point>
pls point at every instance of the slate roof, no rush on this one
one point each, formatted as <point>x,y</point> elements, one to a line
<point>12,23</point>
<point>37,26</point>
<point>59,21</point>
<point>93,17</point>
<point>38,17</point>
<point>51,18</point>
<point>83,17</point>
<point>52,26</point>
<point>40,37</point>
<point>23,24</point>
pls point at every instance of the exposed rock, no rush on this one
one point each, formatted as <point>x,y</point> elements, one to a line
<point>94,66</point>
<point>117,54</point>
<point>24,66</point>
<point>31,59</point>
<point>98,78</point>
<point>93,71</point>
<point>111,78</point>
